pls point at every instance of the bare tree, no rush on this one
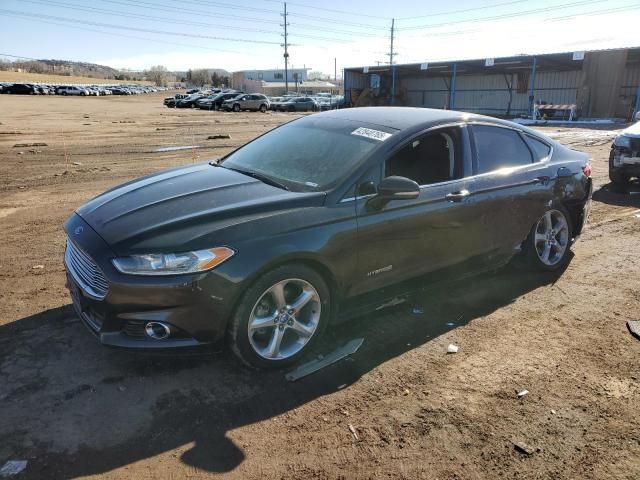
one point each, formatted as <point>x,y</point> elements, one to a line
<point>158,75</point>
<point>199,78</point>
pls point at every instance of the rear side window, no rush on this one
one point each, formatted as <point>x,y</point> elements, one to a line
<point>540,149</point>
<point>498,148</point>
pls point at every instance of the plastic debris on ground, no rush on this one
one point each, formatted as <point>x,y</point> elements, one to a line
<point>452,348</point>
<point>417,310</point>
<point>522,393</point>
<point>634,328</point>
<point>353,431</point>
<point>324,361</point>
<point>12,467</point>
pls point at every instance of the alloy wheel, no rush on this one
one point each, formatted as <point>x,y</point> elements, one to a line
<point>551,237</point>
<point>284,319</point>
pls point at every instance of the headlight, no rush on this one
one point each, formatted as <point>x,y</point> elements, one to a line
<point>622,141</point>
<point>173,263</point>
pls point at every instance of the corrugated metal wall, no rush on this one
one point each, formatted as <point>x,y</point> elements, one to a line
<point>489,93</point>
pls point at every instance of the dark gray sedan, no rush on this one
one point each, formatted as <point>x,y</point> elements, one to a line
<point>319,220</point>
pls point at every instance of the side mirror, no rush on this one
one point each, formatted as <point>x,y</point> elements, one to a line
<point>394,188</point>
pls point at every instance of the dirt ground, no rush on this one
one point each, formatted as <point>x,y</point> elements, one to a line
<point>75,409</point>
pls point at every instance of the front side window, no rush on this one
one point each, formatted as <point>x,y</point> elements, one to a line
<point>309,154</point>
<point>431,158</point>
<point>498,147</point>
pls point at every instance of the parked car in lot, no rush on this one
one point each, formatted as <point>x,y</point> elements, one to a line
<point>216,102</point>
<point>72,90</point>
<point>21,89</point>
<point>624,159</point>
<point>250,101</point>
<point>189,101</point>
<point>323,218</point>
<point>171,101</point>
<point>298,104</point>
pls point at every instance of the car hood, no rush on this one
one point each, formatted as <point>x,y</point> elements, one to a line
<point>632,131</point>
<point>186,208</point>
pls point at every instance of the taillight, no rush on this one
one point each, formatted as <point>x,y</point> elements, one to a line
<point>587,170</point>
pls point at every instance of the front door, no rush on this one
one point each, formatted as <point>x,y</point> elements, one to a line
<point>410,238</point>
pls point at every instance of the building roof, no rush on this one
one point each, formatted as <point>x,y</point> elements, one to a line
<point>303,85</point>
<point>547,61</point>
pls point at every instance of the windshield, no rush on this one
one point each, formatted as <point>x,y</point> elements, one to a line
<point>307,154</point>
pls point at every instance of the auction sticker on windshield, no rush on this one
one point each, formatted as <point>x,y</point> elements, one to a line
<point>372,134</point>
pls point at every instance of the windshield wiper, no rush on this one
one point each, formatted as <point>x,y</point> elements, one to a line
<point>259,176</point>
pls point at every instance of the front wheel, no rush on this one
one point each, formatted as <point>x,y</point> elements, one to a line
<point>263,108</point>
<point>280,317</point>
<point>236,108</point>
<point>547,246</point>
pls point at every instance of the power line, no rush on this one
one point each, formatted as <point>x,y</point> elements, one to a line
<point>122,27</point>
<point>358,14</point>
<point>503,16</point>
<point>146,39</point>
<point>465,10</point>
<point>145,17</point>
<point>142,4</point>
<point>171,9</point>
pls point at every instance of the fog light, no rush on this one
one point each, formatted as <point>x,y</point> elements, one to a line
<point>157,330</point>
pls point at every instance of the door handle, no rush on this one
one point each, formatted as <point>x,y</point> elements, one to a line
<point>542,180</point>
<point>457,196</point>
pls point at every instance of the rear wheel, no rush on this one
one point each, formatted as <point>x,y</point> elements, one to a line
<point>280,317</point>
<point>236,108</point>
<point>263,108</point>
<point>547,246</point>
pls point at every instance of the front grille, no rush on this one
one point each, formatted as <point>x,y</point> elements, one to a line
<point>85,271</point>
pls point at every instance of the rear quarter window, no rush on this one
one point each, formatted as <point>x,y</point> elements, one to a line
<point>498,147</point>
<point>540,149</point>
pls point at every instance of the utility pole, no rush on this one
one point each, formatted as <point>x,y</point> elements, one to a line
<point>391,52</point>
<point>286,51</point>
<point>335,69</point>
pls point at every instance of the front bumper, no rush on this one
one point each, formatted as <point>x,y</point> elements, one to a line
<point>625,161</point>
<point>194,307</point>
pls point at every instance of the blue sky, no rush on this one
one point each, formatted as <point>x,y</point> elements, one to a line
<point>236,35</point>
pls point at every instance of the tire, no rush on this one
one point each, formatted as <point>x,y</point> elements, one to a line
<point>541,255</point>
<point>280,342</point>
<point>263,108</point>
<point>236,107</point>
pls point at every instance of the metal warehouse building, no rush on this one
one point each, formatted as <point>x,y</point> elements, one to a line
<point>602,84</point>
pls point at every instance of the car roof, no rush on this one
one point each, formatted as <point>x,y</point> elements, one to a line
<point>402,118</point>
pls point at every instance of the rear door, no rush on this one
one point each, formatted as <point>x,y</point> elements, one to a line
<point>511,182</point>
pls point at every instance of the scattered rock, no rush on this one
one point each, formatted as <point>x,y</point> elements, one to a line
<point>13,467</point>
<point>452,348</point>
<point>76,163</point>
<point>406,392</point>
<point>553,412</point>
<point>20,153</point>
<point>37,267</point>
<point>523,448</point>
<point>36,144</point>
<point>218,136</point>
<point>522,393</point>
<point>162,128</point>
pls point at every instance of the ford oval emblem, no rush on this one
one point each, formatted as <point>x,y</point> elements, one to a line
<point>78,230</point>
